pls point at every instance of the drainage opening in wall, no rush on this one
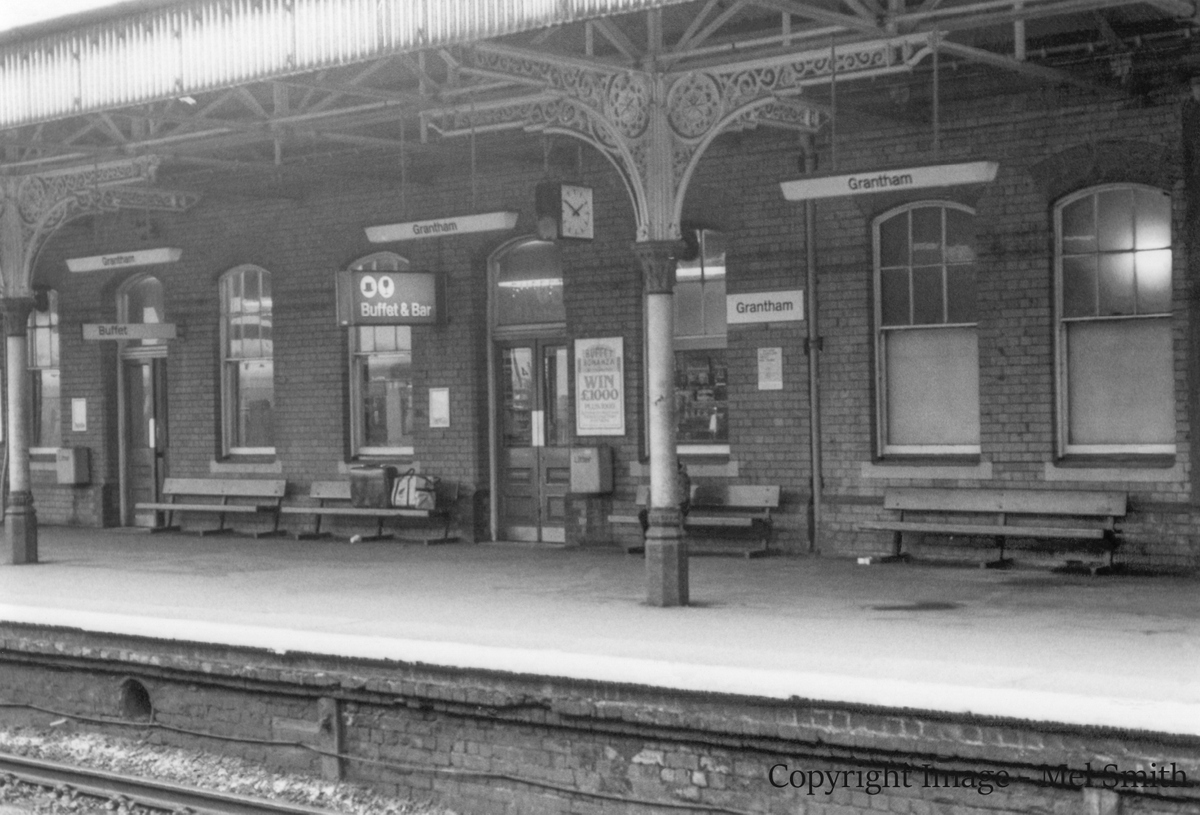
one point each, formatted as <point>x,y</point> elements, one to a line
<point>135,702</point>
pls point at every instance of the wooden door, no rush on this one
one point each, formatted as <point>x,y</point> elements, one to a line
<point>145,382</point>
<point>534,436</point>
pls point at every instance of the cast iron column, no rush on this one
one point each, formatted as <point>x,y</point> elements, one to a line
<point>666,551</point>
<point>20,519</point>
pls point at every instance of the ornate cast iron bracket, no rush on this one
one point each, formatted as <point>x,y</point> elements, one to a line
<point>655,127</point>
<point>32,207</point>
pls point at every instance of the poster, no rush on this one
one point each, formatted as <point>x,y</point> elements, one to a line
<point>770,369</point>
<point>439,407</point>
<point>600,387</point>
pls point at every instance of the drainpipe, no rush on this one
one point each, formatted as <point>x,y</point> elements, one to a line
<point>813,346</point>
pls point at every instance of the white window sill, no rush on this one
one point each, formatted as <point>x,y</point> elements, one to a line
<point>970,472</point>
<point>246,467</point>
<point>1114,472</point>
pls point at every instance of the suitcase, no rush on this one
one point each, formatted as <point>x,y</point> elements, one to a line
<point>371,485</point>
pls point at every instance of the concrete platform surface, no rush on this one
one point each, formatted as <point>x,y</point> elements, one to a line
<point>1112,651</point>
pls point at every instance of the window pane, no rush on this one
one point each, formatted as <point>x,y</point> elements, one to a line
<point>960,236</point>
<point>1115,221</point>
<point>255,403</point>
<point>47,420</point>
<point>714,308</point>
<point>932,387</point>
<point>387,400</point>
<point>1079,286</point>
<point>1153,225</point>
<point>1121,383</point>
<point>894,294</point>
<point>529,285</point>
<point>960,293</point>
<point>1116,285</point>
<point>366,338</point>
<point>701,398</point>
<point>713,254</point>
<point>689,309</point>
<point>1154,281</point>
<point>927,235</point>
<point>893,241</point>
<point>1079,225</point>
<point>928,306</point>
<point>517,397</point>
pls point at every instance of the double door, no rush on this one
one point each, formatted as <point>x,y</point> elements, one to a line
<point>534,437</point>
<point>145,386</point>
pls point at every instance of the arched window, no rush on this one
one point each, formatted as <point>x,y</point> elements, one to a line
<point>927,349</point>
<point>1116,369</point>
<point>248,375</point>
<point>142,302</point>
<point>45,390</point>
<point>529,285</point>
<point>381,377</point>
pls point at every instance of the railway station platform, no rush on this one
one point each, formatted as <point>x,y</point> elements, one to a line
<point>1119,652</point>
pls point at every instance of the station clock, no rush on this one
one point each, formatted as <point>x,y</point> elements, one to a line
<point>564,211</point>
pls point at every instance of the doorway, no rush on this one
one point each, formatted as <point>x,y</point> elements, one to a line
<point>530,394</point>
<point>145,382</point>
<point>142,402</point>
<point>535,458</point>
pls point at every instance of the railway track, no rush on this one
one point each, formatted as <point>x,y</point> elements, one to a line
<point>149,794</point>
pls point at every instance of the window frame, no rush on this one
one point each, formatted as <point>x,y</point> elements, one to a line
<point>34,370</point>
<point>1061,322</point>
<point>884,448</point>
<point>229,363</point>
<point>357,359</point>
<point>707,341</point>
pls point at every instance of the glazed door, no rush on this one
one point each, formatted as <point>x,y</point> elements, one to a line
<point>535,459</point>
<point>146,432</point>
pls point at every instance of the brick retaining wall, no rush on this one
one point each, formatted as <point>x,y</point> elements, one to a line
<point>485,742</point>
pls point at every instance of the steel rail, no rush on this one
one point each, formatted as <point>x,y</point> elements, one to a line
<point>162,795</point>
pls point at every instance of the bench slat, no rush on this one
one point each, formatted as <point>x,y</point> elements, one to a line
<point>249,509</point>
<point>226,487</point>
<point>363,512</point>
<point>1016,502</point>
<point>988,530</point>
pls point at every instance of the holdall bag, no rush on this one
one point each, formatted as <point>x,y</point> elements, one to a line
<point>414,491</point>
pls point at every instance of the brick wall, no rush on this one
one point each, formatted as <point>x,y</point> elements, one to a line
<point>491,743</point>
<point>1047,143</point>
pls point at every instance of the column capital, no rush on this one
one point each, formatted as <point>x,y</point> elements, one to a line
<point>658,259</point>
<point>16,314</point>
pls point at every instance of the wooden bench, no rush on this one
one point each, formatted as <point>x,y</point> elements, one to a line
<point>238,496</point>
<point>1000,514</point>
<point>719,506</point>
<point>333,500</point>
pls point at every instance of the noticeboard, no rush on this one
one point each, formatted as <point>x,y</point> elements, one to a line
<point>388,298</point>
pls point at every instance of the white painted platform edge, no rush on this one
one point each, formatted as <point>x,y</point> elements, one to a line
<point>1180,718</point>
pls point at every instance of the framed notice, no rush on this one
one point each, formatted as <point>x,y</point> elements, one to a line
<point>600,387</point>
<point>770,369</point>
<point>439,407</point>
<point>78,415</point>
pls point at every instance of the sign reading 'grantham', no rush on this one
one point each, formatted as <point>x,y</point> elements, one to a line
<point>765,307</point>
<point>899,180</point>
<point>442,227</point>
<point>124,260</point>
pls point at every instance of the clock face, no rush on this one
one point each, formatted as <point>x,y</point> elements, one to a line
<point>577,214</point>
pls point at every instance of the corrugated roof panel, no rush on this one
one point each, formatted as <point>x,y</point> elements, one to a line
<point>206,44</point>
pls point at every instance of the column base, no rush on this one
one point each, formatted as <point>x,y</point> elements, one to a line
<point>666,560</point>
<point>21,529</point>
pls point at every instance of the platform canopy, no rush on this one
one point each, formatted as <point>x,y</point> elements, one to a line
<point>243,93</point>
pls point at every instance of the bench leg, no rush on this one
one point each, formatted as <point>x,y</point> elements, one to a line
<point>1002,562</point>
<point>897,555</point>
<point>273,532</point>
<point>316,533</point>
<point>446,537</point>
<point>379,535</point>
<point>170,525</point>
<point>220,530</point>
